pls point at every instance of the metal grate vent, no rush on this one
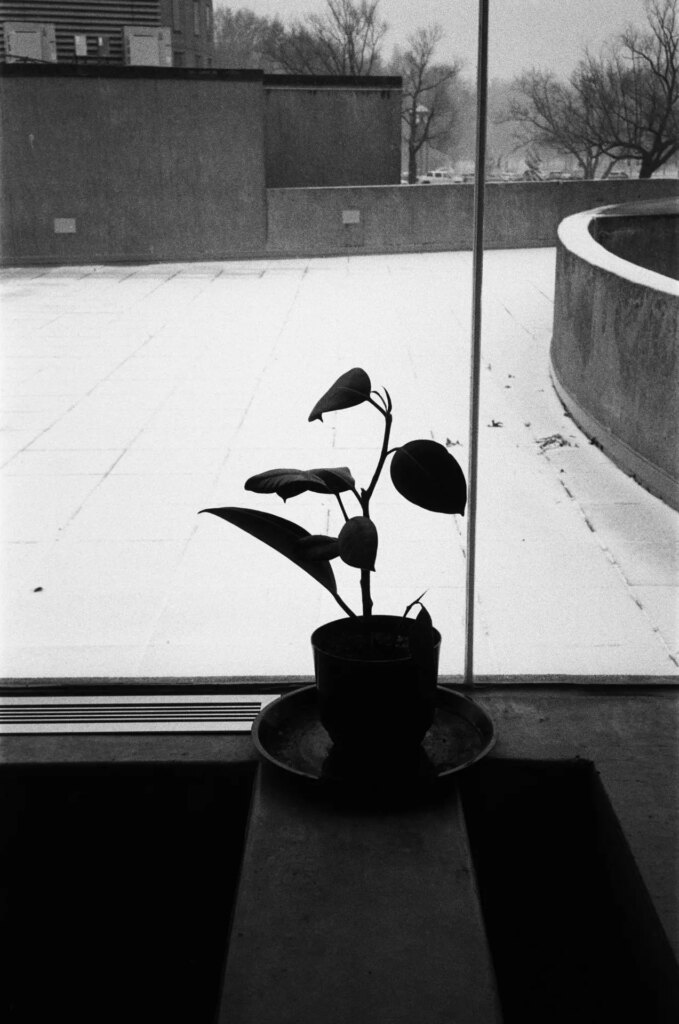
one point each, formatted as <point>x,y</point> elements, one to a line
<point>181,713</point>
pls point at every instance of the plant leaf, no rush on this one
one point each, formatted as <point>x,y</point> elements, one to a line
<point>287,483</point>
<point>427,474</point>
<point>316,547</point>
<point>336,478</point>
<point>352,388</point>
<point>358,543</point>
<point>421,643</point>
<point>282,535</point>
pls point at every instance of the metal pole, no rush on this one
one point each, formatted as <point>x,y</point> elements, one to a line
<point>479,186</point>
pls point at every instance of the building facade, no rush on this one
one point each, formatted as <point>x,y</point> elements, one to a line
<point>162,33</point>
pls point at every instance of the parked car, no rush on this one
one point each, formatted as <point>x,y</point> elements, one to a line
<point>443,176</point>
<point>563,176</point>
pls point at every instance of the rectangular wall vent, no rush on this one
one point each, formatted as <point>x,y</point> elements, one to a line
<point>64,225</point>
<point>120,714</point>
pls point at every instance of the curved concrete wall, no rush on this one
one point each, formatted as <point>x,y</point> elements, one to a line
<point>646,234</point>
<point>614,354</point>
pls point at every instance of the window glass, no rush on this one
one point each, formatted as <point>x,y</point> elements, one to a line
<point>104,45</point>
<point>176,386</point>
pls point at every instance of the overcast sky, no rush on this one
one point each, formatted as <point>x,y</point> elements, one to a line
<point>550,34</point>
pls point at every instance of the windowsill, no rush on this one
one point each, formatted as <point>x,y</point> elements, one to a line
<point>628,733</point>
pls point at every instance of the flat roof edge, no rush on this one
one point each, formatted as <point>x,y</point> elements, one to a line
<point>126,71</point>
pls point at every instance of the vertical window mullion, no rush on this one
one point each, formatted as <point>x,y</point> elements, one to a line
<point>475,376</point>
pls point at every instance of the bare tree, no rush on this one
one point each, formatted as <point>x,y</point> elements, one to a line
<point>623,105</point>
<point>631,97</point>
<point>242,39</point>
<point>344,40</point>
<point>550,113</point>
<point>428,110</point>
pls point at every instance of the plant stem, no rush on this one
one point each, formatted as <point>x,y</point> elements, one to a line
<point>365,594</point>
<point>345,607</point>
<point>358,496</point>
<point>366,496</point>
<point>341,505</point>
<point>365,505</point>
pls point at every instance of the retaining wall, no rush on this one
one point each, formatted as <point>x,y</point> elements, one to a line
<point>615,355</point>
<point>412,218</point>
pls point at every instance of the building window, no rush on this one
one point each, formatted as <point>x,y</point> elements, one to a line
<point>177,14</point>
<point>104,46</point>
<point>80,45</point>
<point>196,17</point>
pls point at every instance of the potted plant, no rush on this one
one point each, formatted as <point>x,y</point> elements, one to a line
<point>376,675</point>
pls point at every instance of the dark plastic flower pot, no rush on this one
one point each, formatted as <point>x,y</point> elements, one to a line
<point>375,696</point>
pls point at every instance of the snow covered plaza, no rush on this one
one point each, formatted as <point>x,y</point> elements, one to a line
<point>134,396</point>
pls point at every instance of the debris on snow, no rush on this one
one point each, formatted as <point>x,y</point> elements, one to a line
<point>553,441</point>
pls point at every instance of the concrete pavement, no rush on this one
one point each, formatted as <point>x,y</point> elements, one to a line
<point>133,396</point>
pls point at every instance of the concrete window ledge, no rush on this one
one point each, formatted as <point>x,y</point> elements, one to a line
<point>472,907</point>
<point>352,915</point>
<point>513,896</point>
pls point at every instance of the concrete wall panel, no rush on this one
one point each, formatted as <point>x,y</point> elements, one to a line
<point>147,166</point>
<point>320,135</point>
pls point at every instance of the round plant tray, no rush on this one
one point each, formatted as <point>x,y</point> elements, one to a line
<point>288,734</point>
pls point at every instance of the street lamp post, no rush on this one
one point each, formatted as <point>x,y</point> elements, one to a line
<point>421,113</point>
